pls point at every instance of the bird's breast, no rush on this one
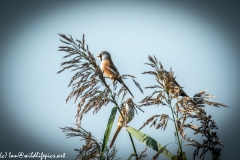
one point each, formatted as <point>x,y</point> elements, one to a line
<point>130,113</point>
<point>105,65</point>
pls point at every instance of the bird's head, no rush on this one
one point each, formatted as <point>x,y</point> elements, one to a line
<point>129,100</point>
<point>104,55</point>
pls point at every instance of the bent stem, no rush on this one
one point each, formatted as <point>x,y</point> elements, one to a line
<point>133,145</point>
<point>176,128</point>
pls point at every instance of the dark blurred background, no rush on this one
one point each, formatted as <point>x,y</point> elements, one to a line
<point>200,40</point>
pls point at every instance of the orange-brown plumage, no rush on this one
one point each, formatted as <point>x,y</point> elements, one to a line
<point>106,71</point>
<point>109,69</point>
<point>128,113</point>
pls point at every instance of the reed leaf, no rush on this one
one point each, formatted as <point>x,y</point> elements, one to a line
<point>109,128</point>
<point>149,141</point>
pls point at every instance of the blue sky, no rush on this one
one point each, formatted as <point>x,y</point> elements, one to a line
<point>199,42</point>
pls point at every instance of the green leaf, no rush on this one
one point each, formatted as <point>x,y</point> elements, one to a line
<point>109,128</point>
<point>183,156</point>
<point>131,156</point>
<point>149,141</point>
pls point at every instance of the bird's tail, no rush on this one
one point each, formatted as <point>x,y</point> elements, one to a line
<point>182,93</point>
<point>115,135</point>
<point>121,81</point>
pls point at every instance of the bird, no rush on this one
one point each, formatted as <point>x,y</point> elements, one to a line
<point>128,114</point>
<point>175,83</point>
<point>109,69</point>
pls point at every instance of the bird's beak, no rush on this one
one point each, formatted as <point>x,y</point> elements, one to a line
<point>100,57</point>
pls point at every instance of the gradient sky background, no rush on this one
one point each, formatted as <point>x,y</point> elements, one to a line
<point>199,40</point>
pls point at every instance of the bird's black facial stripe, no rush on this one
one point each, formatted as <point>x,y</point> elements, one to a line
<point>101,57</point>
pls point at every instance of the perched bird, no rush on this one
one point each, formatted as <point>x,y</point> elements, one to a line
<point>109,69</point>
<point>181,93</point>
<point>128,114</point>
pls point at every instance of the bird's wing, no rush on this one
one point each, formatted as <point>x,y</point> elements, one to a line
<point>112,67</point>
<point>120,118</point>
<point>174,82</point>
<point>182,92</point>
